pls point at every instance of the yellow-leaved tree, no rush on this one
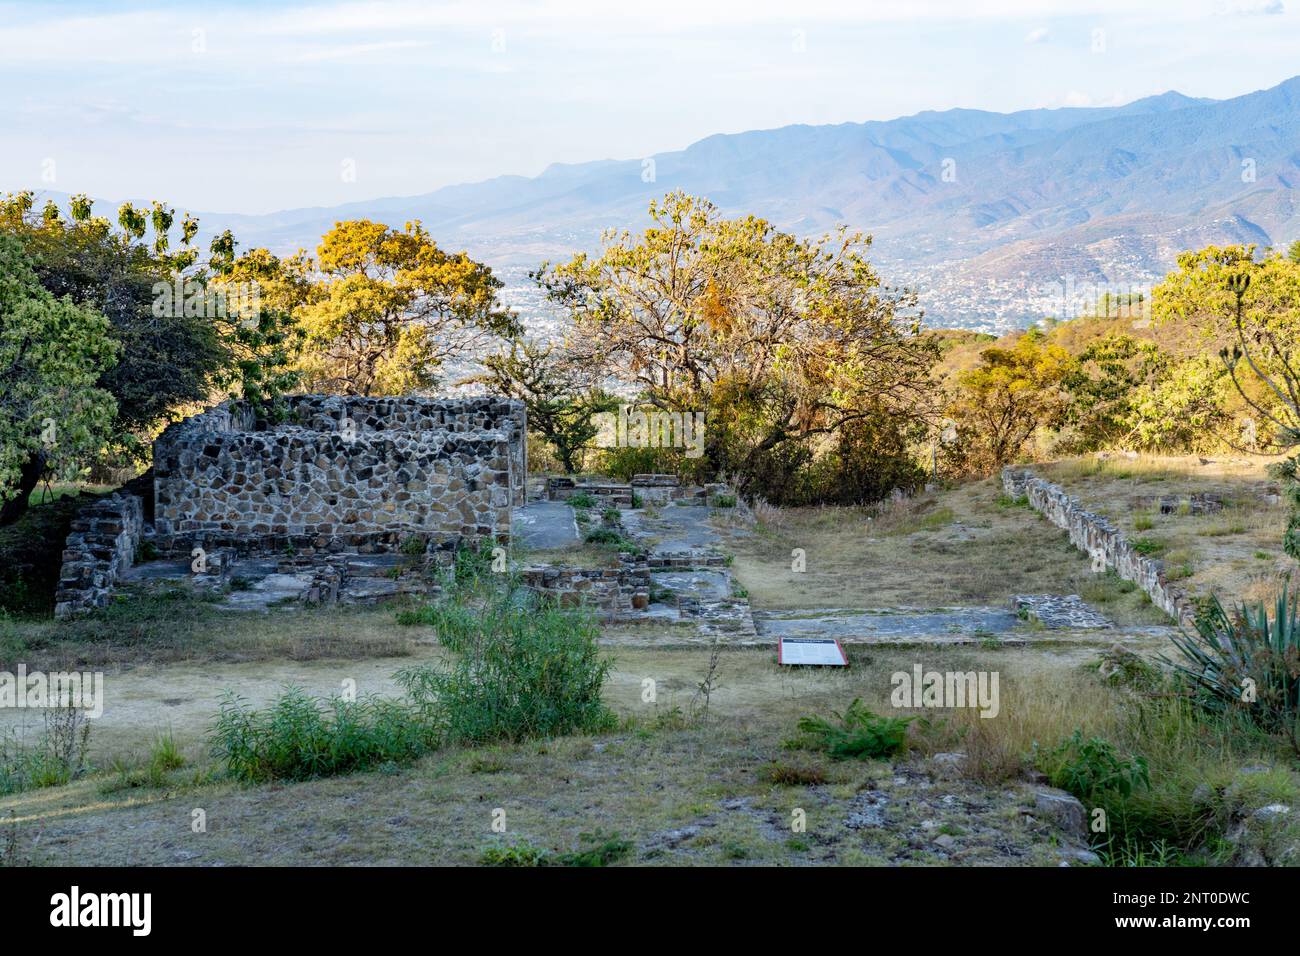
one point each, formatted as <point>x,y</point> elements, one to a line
<point>387,310</point>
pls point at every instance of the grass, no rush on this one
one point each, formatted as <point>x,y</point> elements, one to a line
<point>948,548</point>
<point>177,624</point>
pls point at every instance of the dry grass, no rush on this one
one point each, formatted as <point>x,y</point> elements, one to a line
<point>177,626</point>
<point>965,546</point>
<point>657,774</point>
<point>1235,553</point>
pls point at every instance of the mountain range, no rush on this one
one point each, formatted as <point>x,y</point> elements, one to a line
<point>985,214</point>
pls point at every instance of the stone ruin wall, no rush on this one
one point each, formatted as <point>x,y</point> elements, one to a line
<point>341,472</point>
<point>1094,534</point>
<point>101,545</point>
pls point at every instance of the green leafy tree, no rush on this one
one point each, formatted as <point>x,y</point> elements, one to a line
<point>1248,305</point>
<point>1003,402</point>
<point>52,353</point>
<point>559,391</point>
<point>178,344</point>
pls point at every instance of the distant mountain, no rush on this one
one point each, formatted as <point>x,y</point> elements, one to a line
<point>980,211</point>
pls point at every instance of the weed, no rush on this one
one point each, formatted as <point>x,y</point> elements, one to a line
<point>855,733</point>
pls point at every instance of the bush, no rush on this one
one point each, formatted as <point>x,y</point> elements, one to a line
<point>856,733</point>
<point>1246,660</point>
<point>1094,766</point>
<point>521,671</point>
<point>302,737</point>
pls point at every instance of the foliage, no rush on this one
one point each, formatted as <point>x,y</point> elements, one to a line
<point>52,353</point>
<point>58,758</point>
<point>301,737</point>
<point>559,392</point>
<point>520,671</point>
<point>391,309</point>
<point>782,342</point>
<point>1247,660</point>
<point>1001,403</point>
<point>1093,766</point>
<point>856,733</point>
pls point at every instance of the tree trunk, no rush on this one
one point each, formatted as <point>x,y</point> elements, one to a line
<point>30,474</point>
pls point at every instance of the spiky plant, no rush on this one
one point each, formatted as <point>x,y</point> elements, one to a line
<point>1247,659</point>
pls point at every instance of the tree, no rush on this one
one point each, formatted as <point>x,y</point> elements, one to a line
<point>780,341</point>
<point>392,309</point>
<point>177,342</point>
<point>559,391</point>
<point>52,352</point>
<point>1249,307</point>
<point>1003,401</point>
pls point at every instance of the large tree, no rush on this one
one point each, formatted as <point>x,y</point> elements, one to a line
<point>178,342</point>
<point>388,310</point>
<point>780,341</point>
<point>52,353</point>
<point>1247,305</point>
<point>1012,393</point>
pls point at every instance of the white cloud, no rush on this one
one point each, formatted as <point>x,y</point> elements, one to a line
<point>1037,36</point>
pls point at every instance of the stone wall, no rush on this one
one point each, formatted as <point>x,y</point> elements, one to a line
<point>1106,544</point>
<point>100,546</point>
<point>341,473</point>
<point>614,591</point>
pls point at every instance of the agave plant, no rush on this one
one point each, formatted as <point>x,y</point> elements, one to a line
<point>1248,658</point>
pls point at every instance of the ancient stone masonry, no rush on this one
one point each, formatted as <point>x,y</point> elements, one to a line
<point>614,591</point>
<point>339,476</point>
<point>356,473</point>
<point>1106,544</point>
<point>101,545</point>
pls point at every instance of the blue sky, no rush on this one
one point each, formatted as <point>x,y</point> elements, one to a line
<point>238,106</point>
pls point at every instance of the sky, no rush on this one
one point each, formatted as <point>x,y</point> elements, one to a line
<point>242,106</point>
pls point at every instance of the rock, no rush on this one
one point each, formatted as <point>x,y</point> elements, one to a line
<point>1203,795</point>
<point>1270,812</point>
<point>946,840</point>
<point>1062,810</point>
<point>1075,854</point>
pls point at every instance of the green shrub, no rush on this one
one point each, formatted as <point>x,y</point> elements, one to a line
<point>519,854</point>
<point>301,737</point>
<point>521,671</point>
<point>1088,768</point>
<point>582,500</point>
<point>856,733</point>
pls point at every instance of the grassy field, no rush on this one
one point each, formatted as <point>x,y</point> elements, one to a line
<point>1235,552</point>
<point>968,546</point>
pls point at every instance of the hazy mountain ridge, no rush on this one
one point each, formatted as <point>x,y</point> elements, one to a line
<point>977,209</point>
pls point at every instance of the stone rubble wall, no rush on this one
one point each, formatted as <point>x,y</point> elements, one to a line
<point>1096,536</point>
<point>325,413</point>
<point>342,472</point>
<point>101,545</point>
<point>615,591</point>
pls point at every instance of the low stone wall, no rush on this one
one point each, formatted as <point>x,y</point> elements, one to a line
<point>615,591</point>
<point>100,546</point>
<point>1095,535</point>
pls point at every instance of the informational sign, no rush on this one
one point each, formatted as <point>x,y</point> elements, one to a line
<point>811,652</point>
